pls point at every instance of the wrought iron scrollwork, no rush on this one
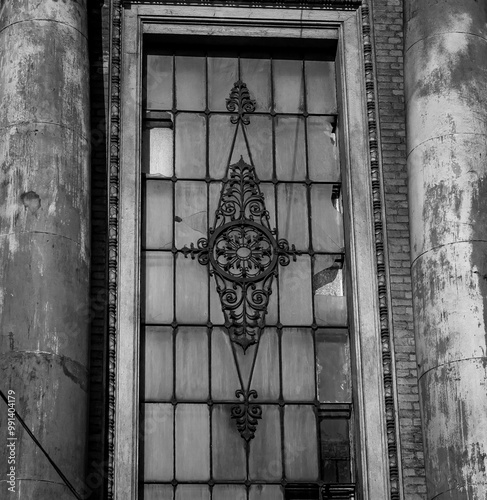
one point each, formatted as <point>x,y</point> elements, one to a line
<point>243,253</point>
<point>246,414</point>
<point>240,102</point>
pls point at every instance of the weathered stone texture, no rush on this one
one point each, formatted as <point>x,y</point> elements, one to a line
<point>44,238</point>
<point>446,77</point>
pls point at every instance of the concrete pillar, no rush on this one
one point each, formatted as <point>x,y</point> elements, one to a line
<point>446,92</point>
<point>44,241</point>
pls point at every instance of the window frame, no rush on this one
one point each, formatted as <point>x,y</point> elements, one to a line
<point>371,450</point>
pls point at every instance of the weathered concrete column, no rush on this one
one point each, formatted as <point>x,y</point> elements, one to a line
<point>44,241</point>
<point>446,92</point>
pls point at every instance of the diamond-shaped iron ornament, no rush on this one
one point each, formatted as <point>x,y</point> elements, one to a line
<point>243,253</point>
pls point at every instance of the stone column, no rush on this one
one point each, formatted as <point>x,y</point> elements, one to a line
<point>44,241</point>
<point>446,92</point>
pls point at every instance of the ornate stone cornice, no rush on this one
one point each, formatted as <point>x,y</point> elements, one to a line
<point>303,4</point>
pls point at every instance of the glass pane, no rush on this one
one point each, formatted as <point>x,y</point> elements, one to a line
<point>244,360</point>
<point>224,378</point>
<point>158,289</point>
<point>220,144</point>
<point>266,372</point>
<point>266,492</point>
<point>157,219</point>
<point>327,221</point>
<point>335,450</point>
<point>157,147</point>
<point>267,189</point>
<point>229,492</point>
<point>265,460</point>
<point>191,291</point>
<point>192,492</point>
<point>192,363</point>
<point>298,367</point>
<point>222,75</point>
<point>300,448</point>
<point>228,446</point>
<point>192,442</point>
<point>191,213</point>
<point>256,73</point>
<point>158,443</point>
<point>288,86</point>
<point>295,292</point>
<point>190,145</point>
<point>190,83</point>
<point>323,161</point>
<point>159,82</point>
<point>293,214</point>
<point>320,87</point>
<point>333,366</point>
<point>329,291</point>
<point>158,366</point>
<point>158,492</point>
<point>290,148</point>
<point>259,135</point>
<point>240,149</point>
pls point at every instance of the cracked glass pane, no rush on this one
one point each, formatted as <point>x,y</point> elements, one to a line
<point>190,217</point>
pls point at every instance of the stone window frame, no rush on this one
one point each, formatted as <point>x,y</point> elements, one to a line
<point>376,443</point>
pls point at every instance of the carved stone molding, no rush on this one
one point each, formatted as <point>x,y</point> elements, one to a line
<point>302,4</point>
<point>382,280</point>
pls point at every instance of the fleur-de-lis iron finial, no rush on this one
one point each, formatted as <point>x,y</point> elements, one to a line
<point>240,102</point>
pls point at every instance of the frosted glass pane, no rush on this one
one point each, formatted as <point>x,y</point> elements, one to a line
<point>158,363</point>
<point>157,226</point>
<point>290,148</point>
<point>192,492</point>
<point>300,451</point>
<point>267,189</point>
<point>259,135</point>
<point>298,366</point>
<point>323,161</point>
<point>159,82</point>
<point>157,426</point>
<point>158,289</point>
<point>157,157</point>
<point>288,86</point>
<point>266,372</point>
<point>320,87</point>
<point>191,291</point>
<point>224,378</point>
<point>158,492</point>
<point>190,146</point>
<point>293,214</point>
<point>295,292</point>
<point>327,221</point>
<point>190,83</point>
<point>256,73</point>
<point>265,460</point>
<point>220,144</point>
<point>244,361</point>
<point>192,442</point>
<point>228,446</point>
<point>191,213</point>
<point>266,492</point>
<point>229,492</point>
<point>329,291</point>
<point>222,74</point>
<point>192,363</point>
<point>333,366</point>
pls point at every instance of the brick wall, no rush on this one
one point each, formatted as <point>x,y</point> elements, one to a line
<point>388,29</point>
